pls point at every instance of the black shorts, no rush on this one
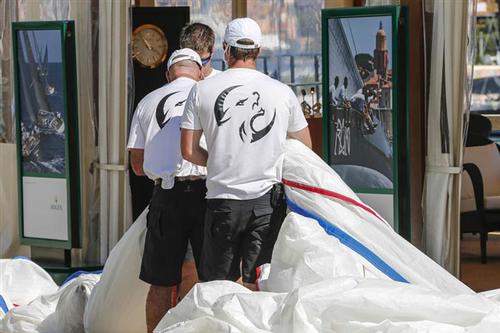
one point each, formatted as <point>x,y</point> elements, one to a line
<point>175,217</point>
<point>240,231</point>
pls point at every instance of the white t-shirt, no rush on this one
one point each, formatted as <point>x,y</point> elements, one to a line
<point>245,116</point>
<point>156,129</point>
<point>213,73</point>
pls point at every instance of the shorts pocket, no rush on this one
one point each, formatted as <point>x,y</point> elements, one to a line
<point>221,228</point>
<point>153,222</point>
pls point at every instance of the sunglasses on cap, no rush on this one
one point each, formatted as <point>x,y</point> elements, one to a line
<point>206,60</point>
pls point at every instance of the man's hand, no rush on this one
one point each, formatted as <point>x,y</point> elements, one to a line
<point>190,147</point>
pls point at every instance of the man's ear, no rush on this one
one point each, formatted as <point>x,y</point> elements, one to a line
<point>167,76</point>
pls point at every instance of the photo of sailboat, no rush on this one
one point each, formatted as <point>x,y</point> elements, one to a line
<point>41,101</point>
<point>360,100</point>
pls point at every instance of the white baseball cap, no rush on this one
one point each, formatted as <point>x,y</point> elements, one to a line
<point>243,28</point>
<point>183,54</point>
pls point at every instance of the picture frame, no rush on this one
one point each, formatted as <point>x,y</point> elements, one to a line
<point>365,109</point>
<point>47,133</point>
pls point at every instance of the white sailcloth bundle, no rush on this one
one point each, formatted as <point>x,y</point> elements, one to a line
<point>336,267</point>
<point>315,190</point>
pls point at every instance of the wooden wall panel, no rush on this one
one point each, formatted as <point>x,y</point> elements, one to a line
<point>339,3</point>
<point>416,78</point>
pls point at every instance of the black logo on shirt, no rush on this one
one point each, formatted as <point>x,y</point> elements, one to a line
<point>257,109</point>
<point>219,106</point>
<point>256,134</point>
<point>160,114</point>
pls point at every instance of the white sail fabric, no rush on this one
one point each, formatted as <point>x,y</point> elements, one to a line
<point>353,223</point>
<point>57,312</point>
<point>33,303</point>
<point>327,273</point>
<point>326,299</point>
<point>21,280</point>
<point>117,304</point>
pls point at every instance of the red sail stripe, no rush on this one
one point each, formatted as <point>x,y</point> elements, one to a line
<point>330,194</point>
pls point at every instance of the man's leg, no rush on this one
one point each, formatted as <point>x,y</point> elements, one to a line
<point>262,232</point>
<point>193,206</point>
<point>164,250</point>
<point>220,258</point>
<point>158,302</point>
<point>251,286</point>
<point>189,274</point>
<point>253,242</point>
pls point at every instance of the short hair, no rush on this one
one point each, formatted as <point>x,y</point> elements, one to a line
<point>244,54</point>
<point>197,36</point>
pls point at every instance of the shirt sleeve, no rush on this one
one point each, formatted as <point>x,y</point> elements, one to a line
<point>297,121</point>
<point>190,118</point>
<point>137,135</point>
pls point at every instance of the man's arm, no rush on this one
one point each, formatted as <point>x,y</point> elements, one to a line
<point>303,136</point>
<point>136,160</point>
<point>190,147</point>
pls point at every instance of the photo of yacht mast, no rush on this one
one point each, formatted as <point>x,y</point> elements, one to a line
<point>41,101</point>
<point>360,100</point>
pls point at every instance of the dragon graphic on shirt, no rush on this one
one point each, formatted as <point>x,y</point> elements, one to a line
<point>161,115</point>
<point>256,109</point>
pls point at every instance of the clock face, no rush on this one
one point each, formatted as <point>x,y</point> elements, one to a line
<point>149,46</point>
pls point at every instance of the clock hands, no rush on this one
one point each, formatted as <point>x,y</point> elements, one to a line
<point>147,44</point>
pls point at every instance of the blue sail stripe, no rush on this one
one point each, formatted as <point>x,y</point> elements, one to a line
<point>3,305</point>
<point>350,242</point>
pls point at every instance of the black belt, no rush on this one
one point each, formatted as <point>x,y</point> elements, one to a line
<point>158,181</point>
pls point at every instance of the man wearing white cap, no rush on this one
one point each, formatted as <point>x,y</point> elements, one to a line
<point>177,207</point>
<point>246,117</point>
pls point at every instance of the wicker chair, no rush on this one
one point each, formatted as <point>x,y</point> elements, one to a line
<point>480,197</point>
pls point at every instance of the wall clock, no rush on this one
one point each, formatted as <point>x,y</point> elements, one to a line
<point>154,24</point>
<point>149,46</point>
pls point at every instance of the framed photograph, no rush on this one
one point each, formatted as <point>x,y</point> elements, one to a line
<point>47,133</point>
<point>364,103</point>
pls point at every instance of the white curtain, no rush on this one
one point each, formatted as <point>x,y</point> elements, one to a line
<point>448,103</point>
<point>115,208</point>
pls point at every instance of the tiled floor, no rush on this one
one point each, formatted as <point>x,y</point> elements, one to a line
<point>479,276</point>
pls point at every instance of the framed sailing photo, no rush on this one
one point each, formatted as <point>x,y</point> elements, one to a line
<point>364,102</point>
<point>47,133</point>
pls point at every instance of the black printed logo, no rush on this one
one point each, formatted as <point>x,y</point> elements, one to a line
<point>246,127</point>
<point>219,106</point>
<point>160,114</point>
<point>259,112</point>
